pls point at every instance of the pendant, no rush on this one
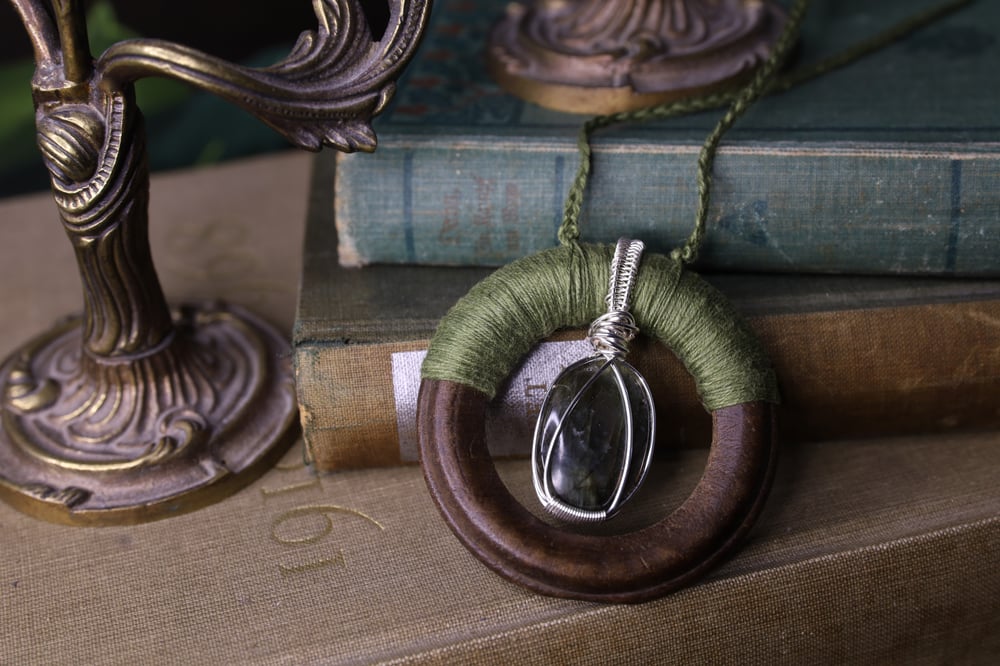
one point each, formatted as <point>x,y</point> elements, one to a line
<point>594,438</point>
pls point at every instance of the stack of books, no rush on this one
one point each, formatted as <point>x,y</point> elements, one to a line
<point>855,222</point>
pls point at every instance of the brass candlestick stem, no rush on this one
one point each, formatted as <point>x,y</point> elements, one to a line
<point>135,411</point>
<point>604,56</point>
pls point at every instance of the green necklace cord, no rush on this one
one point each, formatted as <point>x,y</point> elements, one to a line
<point>486,334</point>
<point>492,327</point>
<point>764,82</point>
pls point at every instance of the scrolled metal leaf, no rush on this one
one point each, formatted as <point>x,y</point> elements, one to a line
<point>325,92</point>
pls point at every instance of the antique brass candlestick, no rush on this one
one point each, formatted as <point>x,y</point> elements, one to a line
<point>603,56</point>
<point>135,411</point>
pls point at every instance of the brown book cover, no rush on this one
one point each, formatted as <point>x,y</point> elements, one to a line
<point>855,356</point>
<point>870,551</point>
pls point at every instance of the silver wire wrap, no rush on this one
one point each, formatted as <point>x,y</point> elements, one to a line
<point>610,333</point>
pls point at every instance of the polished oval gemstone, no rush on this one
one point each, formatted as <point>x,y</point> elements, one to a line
<point>594,437</point>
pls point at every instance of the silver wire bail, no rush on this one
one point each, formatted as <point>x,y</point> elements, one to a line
<point>611,333</point>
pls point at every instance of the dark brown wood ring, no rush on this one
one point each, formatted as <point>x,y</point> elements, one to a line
<point>632,567</point>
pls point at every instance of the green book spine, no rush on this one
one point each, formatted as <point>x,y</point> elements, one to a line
<point>888,166</point>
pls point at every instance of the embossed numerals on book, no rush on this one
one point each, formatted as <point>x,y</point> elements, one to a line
<point>307,532</point>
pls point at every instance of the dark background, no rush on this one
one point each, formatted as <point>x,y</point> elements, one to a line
<point>232,29</point>
<point>184,127</point>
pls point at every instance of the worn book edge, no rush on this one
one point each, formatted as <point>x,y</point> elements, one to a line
<point>883,371</point>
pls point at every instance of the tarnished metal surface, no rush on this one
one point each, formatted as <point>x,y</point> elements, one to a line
<point>603,56</point>
<point>136,411</point>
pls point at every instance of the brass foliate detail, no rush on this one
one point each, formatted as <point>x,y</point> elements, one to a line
<point>94,441</point>
<point>325,92</point>
<point>100,415</point>
<point>604,56</point>
<point>71,138</point>
<point>134,410</point>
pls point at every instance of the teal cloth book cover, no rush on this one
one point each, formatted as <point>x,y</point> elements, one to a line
<point>888,165</point>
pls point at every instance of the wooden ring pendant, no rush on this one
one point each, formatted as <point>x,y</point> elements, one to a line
<point>631,567</point>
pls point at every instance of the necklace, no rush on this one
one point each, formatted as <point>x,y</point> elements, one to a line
<point>594,437</point>
<point>595,432</point>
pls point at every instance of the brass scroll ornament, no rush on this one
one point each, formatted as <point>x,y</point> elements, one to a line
<point>136,411</point>
<point>605,56</point>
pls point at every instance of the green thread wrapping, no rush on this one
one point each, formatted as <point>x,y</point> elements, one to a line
<point>485,335</point>
<point>488,331</point>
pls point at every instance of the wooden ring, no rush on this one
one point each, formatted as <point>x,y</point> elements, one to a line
<point>631,567</point>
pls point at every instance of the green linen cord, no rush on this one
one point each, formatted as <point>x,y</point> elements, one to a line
<point>489,330</point>
<point>484,336</point>
<point>765,81</point>
<point>739,102</point>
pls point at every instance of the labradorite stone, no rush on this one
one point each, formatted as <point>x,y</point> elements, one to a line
<point>590,399</point>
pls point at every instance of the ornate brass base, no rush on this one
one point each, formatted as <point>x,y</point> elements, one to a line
<point>89,440</point>
<point>133,412</point>
<point>604,56</point>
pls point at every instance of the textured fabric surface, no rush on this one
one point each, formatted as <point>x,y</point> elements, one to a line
<point>350,412</point>
<point>869,551</point>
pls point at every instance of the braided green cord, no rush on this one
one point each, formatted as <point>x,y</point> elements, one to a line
<point>764,82</point>
<point>569,230</point>
<point>868,46</point>
<point>744,99</point>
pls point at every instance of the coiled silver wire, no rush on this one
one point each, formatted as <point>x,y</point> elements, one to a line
<point>611,333</point>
